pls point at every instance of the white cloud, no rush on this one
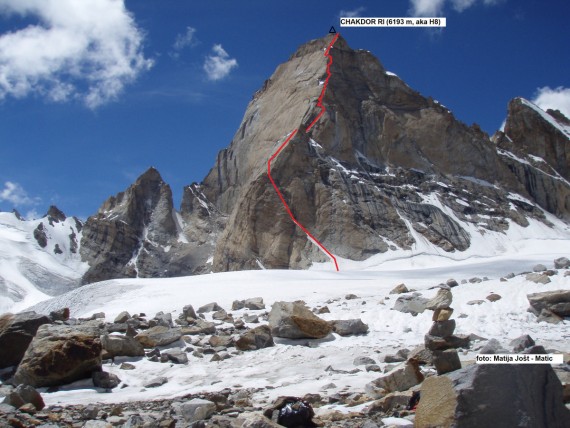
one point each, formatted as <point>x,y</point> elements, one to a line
<point>461,5</point>
<point>219,64</point>
<point>183,40</point>
<point>426,7</point>
<point>556,99</point>
<point>78,49</point>
<point>436,7</point>
<point>352,13</point>
<point>16,195</point>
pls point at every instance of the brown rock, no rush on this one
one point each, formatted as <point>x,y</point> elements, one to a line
<point>256,338</point>
<point>442,314</point>
<point>296,321</point>
<point>158,336</point>
<point>60,355</point>
<point>16,334</point>
<point>399,379</point>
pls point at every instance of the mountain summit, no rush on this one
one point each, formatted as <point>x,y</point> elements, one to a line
<point>384,169</point>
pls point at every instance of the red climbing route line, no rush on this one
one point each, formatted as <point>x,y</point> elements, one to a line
<point>320,101</point>
<point>289,138</point>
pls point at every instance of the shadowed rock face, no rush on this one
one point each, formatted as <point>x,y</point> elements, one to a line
<point>382,164</point>
<point>136,233</point>
<point>383,167</point>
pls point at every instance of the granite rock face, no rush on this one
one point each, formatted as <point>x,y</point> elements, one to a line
<point>382,168</point>
<point>138,233</point>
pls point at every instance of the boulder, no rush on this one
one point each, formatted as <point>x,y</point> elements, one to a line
<point>255,304</point>
<point>442,328</point>
<point>452,283</point>
<point>156,382</point>
<point>188,312</point>
<point>256,338</point>
<point>493,347</point>
<point>557,302</point>
<point>254,319</point>
<point>399,379</point>
<point>538,278</point>
<point>493,395</point>
<point>521,343</point>
<point>493,297</point>
<point>59,315</point>
<point>158,336</point>
<point>122,318</point>
<point>195,410</point>
<point>446,361</point>
<point>411,304</point>
<point>105,380</point>
<point>220,315</point>
<point>199,327</point>
<point>177,357</point>
<point>349,327</point>
<point>121,346</point>
<point>24,394</point>
<point>16,334</point>
<point>539,268</point>
<point>238,304</point>
<point>441,300</point>
<point>399,289</point>
<point>422,355</point>
<point>562,263</point>
<point>210,307</point>
<point>59,355</point>
<point>253,420</point>
<point>363,361</point>
<point>221,340</point>
<point>296,321</point>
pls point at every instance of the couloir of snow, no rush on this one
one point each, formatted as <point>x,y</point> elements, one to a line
<point>292,367</point>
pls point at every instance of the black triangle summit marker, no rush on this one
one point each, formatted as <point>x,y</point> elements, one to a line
<point>332,30</point>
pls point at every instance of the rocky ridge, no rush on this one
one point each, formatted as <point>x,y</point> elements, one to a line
<point>383,168</point>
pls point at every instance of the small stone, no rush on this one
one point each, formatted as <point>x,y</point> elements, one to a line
<point>539,268</point>
<point>254,304</point>
<point>351,297</point>
<point>475,280</point>
<point>323,310</point>
<point>446,361</point>
<point>510,275</point>
<point>399,289</point>
<point>452,283</point>
<point>521,343</point>
<point>475,302</point>
<point>493,297</point>
<point>220,315</point>
<point>156,382</point>
<point>562,263</point>
<point>122,317</point>
<point>253,319</point>
<point>349,327</point>
<point>362,361</point>
<point>194,410</point>
<point>538,278</point>
<point>373,368</point>
<point>105,380</point>
<point>210,307</point>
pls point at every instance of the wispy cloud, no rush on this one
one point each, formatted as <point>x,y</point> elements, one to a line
<point>218,64</point>
<point>352,13</point>
<point>15,194</point>
<point>87,50</point>
<point>437,7</point>
<point>183,40</point>
<point>553,98</point>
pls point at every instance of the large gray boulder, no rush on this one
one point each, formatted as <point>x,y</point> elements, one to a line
<point>16,334</point>
<point>399,379</point>
<point>121,346</point>
<point>158,336</point>
<point>493,395</point>
<point>256,338</point>
<point>295,321</point>
<point>557,302</point>
<point>411,304</point>
<point>59,355</point>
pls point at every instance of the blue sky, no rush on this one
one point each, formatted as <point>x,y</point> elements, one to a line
<point>93,92</point>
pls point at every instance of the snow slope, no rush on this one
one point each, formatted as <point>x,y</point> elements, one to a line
<point>291,367</point>
<point>30,273</point>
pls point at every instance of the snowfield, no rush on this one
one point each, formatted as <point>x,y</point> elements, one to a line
<point>299,367</point>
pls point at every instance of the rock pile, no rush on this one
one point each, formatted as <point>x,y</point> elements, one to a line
<point>440,339</point>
